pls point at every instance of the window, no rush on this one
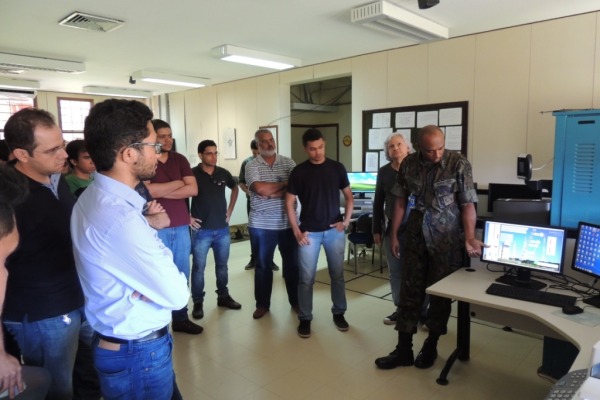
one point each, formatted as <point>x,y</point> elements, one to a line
<point>10,105</point>
<point>71,116</point>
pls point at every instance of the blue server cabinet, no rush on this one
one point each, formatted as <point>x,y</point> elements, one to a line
<point>576,176</point>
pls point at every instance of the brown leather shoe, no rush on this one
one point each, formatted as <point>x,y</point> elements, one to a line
<point>260,312</point>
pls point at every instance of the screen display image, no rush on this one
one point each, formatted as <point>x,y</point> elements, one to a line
<point>526,247</point>
<point>586,256</point>
<point>362,182</point>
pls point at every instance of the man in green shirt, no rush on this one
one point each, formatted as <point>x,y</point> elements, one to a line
<point>82,167</point>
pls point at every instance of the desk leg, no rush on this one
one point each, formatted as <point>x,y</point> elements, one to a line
<point>463,341</point>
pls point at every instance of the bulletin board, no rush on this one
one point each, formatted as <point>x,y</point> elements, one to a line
<point>452,118</point>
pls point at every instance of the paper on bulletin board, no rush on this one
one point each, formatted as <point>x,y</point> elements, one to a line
<point>406,134</point>
<point>377,137</point>
<point>382,120</point>
<point>451,116</point>
<point>405,119</point>
<point>382,159</point>
<point>371,161</point>
<point>454,137</point>
<point>425,118</point>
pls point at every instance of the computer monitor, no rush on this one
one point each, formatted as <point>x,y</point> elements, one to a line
<point>362,182</point>
<point>524,247</point>
<point>586,256</point>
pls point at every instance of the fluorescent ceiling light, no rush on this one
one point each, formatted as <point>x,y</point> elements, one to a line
<point>8,83</point>
<point>169,79</point>
<point>19,62</point>
<point>228,52</point>
<point>116,92</point>
<point>390,18</point>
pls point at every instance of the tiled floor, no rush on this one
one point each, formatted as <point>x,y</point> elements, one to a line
<point>237,357</point>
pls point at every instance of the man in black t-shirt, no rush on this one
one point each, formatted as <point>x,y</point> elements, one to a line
<point>317,183</point>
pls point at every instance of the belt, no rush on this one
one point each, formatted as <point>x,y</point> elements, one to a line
<point>151,336</point>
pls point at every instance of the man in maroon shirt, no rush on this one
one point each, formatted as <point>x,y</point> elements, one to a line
<point>172,185</point>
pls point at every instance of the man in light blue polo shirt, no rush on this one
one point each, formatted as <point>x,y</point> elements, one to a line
<point>267,176</point>
<point>128,276</point>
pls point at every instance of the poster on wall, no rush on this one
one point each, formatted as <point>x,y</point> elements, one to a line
<point>229,144</point>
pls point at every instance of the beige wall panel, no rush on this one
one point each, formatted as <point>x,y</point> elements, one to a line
<point>297,75</point>
<point>596,99</point>
<point>369,91</point>
<point>451,70</point>
<point>499,109</point>
<point>562,77</point>
<point>201,118</point>
<point>334,69</point>
<point>245,121</point>
<point>177,112</point>
<point>407,76</point>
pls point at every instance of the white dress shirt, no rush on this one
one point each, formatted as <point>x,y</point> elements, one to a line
<point>119,257</point>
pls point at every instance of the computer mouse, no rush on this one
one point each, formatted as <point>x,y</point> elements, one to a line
<point>572,310</point>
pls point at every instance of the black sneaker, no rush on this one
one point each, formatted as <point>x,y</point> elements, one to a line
<point>275,267</point>
<point>186,326</point>
<point>340,322</point>
<point>251,264</point>
<point>198,311</point>
<point>227,301</point>
<point>391,319</point>
<point>395,359</point>
<point>304,329</point>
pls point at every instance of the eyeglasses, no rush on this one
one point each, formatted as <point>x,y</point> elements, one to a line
<point>53,151</point>
<point>157,146</point>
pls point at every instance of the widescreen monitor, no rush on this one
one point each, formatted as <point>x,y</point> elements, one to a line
<point>524,247</point>
<point>586,256</point>
<point>362,182</point>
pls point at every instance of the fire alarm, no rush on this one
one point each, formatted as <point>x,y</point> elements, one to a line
<point>347,140</point>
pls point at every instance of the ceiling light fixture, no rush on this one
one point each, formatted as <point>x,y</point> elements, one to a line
<point>169,79</point>
<point>228,52</point>
<point>116,92</point>
<point>19,84</point>
<point>390,18</point>
<point>17,62</point>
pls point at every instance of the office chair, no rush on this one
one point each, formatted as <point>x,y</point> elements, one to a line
<point>362,233</point>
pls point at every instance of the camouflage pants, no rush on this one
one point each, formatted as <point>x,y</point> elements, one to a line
<point>423,266</point>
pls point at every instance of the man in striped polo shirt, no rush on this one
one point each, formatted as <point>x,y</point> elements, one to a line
<point>267,177</point>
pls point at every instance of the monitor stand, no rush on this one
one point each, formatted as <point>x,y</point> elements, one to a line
<point>523,279</point>
<point>593,301</point>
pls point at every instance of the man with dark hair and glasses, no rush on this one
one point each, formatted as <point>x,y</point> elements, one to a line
<point>43,309</point>
<point>129,279</point>
<point>171,187</point>
<point>210,224</point>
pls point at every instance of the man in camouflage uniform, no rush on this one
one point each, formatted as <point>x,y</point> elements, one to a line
<point>439,229</point>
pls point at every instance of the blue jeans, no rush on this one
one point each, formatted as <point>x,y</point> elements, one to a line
<point>203,240</point>
<point>137,370</point>
<point>263,248</point>
<point>333,242</point>
<point>177,239</point>
<point>51,343</point>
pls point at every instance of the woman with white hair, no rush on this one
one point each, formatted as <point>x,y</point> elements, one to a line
<point>396,148</point>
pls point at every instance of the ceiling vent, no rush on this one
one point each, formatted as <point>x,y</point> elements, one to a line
<point>397,21</point>
<point>17,62</point>
<point>90,22</point>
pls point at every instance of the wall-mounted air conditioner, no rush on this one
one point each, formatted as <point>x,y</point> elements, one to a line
<point>17,94</point>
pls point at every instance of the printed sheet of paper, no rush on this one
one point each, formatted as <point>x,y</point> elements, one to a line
<point>405,119</point>
<point>377,137</point>
<point>425,118</point>
<point>371,161</point>
<point>451,116</point>
<point>382,120</point>
<point>454,137</point>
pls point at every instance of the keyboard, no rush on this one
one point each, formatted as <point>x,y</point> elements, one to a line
<point>568,385</point>
<point>534,296</point>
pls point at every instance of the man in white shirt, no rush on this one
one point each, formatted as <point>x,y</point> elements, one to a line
<point>129,280</point>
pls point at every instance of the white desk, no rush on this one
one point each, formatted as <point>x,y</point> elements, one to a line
<point>468,288</point>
